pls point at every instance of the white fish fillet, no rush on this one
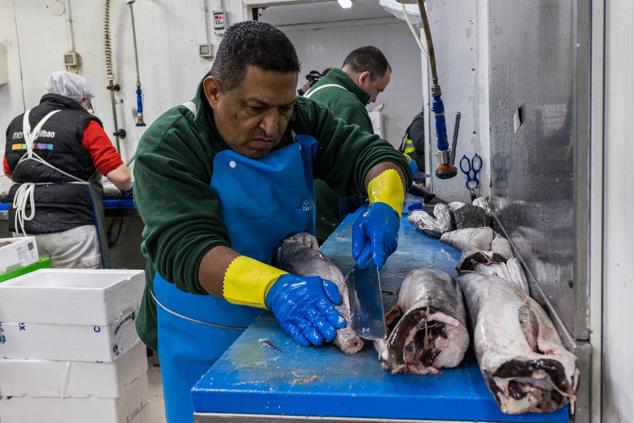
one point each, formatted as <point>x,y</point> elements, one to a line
<point>426,326</point>
<point>521,357</point>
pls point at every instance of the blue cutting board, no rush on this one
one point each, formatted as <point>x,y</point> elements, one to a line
<point>253,377</point>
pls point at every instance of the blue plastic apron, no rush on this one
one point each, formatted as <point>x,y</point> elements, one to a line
<point>262,202</point>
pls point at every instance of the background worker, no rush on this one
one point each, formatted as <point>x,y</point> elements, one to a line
<point>365,74</point>
<point>220,181</point>
<point>54,155</point>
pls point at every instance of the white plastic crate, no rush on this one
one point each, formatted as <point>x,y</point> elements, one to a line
<point>43,378</point>
<point>92,343</point>
<point>130,407</point>
<point>17,252</point>
<point>71,296</point>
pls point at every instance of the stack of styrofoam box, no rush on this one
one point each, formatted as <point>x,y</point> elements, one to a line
<point>69,351</point>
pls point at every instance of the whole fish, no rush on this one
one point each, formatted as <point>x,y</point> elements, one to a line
<point>299,255</point>
<point>426,327</point>
<point>521,357</point>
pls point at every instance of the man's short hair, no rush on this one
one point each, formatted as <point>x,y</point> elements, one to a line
<point>367,59</point>
<point>252,43</point>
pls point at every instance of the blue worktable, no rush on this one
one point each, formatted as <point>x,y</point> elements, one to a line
<point>279,377</point>
<point>109,205</point>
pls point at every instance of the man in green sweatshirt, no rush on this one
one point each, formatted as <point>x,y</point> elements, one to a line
<point>365,74</point>
<point>220,181</point>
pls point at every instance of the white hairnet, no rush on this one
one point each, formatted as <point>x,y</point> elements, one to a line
<point>69,84</point>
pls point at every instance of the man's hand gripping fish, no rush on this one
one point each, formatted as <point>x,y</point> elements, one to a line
<point>299,255</point>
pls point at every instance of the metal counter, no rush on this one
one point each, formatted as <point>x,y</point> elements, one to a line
<point>255,382</point>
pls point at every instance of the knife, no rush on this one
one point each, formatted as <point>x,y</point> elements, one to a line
<point>366,303</point>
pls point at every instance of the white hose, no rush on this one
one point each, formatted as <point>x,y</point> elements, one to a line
<point>411,28</point>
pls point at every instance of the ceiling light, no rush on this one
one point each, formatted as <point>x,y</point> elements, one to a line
<point>345,4</point>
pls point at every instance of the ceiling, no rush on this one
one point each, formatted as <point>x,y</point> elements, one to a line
<point>322,12</point>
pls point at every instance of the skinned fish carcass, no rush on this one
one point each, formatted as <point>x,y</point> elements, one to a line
<point>494,264</point>
<point>426,328</point>
<point>299,255</point>
<point>435,225</point>
<point>486,251</point>
<point>478,239</point>
<point>521,357</point>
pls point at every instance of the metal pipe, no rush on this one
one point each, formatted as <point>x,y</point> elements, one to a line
<point>114,119</point>
<point>207,18</point>
<point>454,142</point>
<point>139,92</point>
<point>69,21</point>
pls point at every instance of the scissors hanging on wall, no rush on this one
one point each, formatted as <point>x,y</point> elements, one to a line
<point>471,168</point>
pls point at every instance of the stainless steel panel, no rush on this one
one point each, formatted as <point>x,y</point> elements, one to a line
<point>539,111</point>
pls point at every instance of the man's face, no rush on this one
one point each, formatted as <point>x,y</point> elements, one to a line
<point>252,117</point>
<point>374,88</point>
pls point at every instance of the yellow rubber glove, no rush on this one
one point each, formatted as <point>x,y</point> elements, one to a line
<point>247,281</point>
<point>387,188</point>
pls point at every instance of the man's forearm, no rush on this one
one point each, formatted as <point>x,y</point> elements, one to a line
<point>213,267</point>
<point>121,177</point>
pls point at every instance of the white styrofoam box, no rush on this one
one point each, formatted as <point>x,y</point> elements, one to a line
<point>75,379</point>
<point>17,252</point>
<point>71,296</point>
<point>68,342</point>
<point>124,409</point>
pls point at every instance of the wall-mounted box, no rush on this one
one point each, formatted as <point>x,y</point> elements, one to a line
<point>206,50</point>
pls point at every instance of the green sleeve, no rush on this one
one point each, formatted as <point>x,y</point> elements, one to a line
<point>353,113</point>
<point>181,214</point>
<point>346,153</point>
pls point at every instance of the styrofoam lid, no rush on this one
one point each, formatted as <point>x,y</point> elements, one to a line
<point>70,279</point>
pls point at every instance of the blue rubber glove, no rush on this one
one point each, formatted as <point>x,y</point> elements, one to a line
<point>304,306</point>
<point>374,235</point>
<point>413,168</point>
